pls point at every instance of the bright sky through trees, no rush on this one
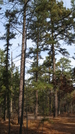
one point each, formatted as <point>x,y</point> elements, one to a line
<point>16,44</point>
<point>67,3</point>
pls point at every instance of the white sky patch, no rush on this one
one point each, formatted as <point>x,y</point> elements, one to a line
<point>73,63</point>
<point>17,63</point>
<point>27,76</point>
<point>29,43</point>
<point>41,61</point>
<point>67,3</point>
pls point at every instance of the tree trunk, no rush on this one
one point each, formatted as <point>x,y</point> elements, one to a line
<point>22,71</point>
<point>5,112</point>
<point>11,88</point>
<point>36,107</point>
<point>59,103</point>
<point>54,83</point>
<point>56,104</point>
<point>7,74</point>
<point>71,108</point>
<point>50,102</point>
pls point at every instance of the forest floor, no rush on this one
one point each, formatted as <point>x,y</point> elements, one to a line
<point>59,125</point>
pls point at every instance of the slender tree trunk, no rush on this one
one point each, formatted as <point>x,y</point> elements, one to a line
<point>49,83</point>
<point>50,102</point>
<point>54,82</point>
<point>55,107</point>
<point>4,107</point>
<point>11,88</point>
<point>22,74</point>
<point>56,103</point>
<point>36,108</point>
<point>71,107</point>
<point>59,103</point>
<point>7,82</point>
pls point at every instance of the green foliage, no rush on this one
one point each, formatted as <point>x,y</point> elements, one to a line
<point>48,23</point>
<point>1,1</point>
<point>64,65</point>
<point>73,9</point>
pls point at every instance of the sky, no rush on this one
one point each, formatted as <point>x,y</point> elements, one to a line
<point>66,3</point>
<point>16,44</point>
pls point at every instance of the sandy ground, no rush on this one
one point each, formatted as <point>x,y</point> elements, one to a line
<point>59,125</point>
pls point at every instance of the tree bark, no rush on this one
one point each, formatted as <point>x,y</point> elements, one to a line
<point>54,83</point>
<point>7,82</point>
<point>55,106</point>
<point>11,88</point>
<point>36,107</point>
<point>50,102</point>
<point>22,71</point>
<point>5,107</point>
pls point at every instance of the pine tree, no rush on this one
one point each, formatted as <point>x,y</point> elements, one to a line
<point>34,33</point>
<point>63,68</point>
<point>59,23</point>
<point>7,37</point>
